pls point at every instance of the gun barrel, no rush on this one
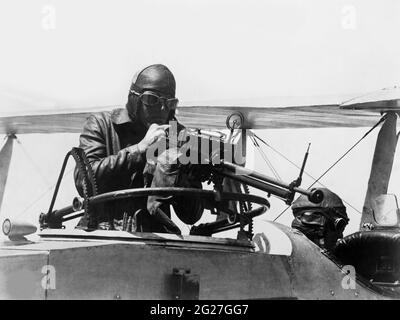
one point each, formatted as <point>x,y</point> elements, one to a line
<point>244,171</point>
<point>264,186</point>
<point>267,184</point>
<point>63,212</point>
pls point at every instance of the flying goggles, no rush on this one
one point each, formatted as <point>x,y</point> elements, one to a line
<point>320,218</point>
<point>151,99</point>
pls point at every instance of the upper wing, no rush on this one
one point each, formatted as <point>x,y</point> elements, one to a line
<point>319,116</point>
<point>386,99</point>
<point>46,121</point>
<point>272,113</point>
<point>207,117</point>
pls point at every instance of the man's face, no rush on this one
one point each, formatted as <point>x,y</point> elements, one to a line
<point>316,226</point>
<point>152,110</point>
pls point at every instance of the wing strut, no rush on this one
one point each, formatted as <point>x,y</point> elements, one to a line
<point>381,169</point>
<point>5,159</point>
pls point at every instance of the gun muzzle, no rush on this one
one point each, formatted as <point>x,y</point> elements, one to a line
<point>315,195</point>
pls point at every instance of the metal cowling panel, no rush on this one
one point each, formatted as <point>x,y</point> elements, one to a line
<point>23,274</point>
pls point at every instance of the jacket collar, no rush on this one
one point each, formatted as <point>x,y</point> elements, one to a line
<point>120,116</point>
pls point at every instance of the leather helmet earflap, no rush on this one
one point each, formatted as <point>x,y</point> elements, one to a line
<point>132,106</point>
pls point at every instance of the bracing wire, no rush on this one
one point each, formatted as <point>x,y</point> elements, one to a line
<point>32,162</point>
<point>39,198</point>
<point>264,156</point>
<point>337,161</point>
<point>348,151</point>
<point>305,172</point>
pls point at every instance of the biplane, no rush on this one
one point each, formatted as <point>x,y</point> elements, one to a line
<point>277,263</point>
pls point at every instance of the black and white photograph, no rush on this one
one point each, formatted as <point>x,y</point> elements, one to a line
<point>218,150</point>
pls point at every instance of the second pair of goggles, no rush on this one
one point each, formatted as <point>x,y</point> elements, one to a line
<point>318,217</point>
<point>151,99</point>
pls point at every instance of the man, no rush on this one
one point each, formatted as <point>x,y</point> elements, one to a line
<point>322,223</point>
<point>116,144</point>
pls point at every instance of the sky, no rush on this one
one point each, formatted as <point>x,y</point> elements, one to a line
<point>72,54</point>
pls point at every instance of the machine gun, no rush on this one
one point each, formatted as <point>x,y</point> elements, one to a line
<point>246,177</point>
<point>218,201</point>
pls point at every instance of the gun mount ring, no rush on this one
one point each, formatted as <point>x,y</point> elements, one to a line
<point>78,203</point>
<point>144,192</point>
<point>216,197</point>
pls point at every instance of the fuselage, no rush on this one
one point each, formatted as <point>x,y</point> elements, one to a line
<point>73,264</point>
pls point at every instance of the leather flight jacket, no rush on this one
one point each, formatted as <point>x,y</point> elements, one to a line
<point>105,139</point>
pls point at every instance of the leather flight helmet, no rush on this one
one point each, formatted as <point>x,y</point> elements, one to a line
<point>156,77</point>
<point>324,222</point>
<point>331,200</point>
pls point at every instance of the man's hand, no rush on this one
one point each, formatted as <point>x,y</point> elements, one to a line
<point>154,133</point>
